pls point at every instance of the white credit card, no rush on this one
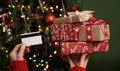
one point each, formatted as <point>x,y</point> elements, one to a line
<point>32,38</point>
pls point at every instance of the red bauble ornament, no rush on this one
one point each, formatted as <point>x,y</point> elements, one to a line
<point>11,24</point>
<point>49,19</point>
<point>37,16</point>
<point>73,8</point>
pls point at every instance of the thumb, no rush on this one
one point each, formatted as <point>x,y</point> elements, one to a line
<point>21,52</point>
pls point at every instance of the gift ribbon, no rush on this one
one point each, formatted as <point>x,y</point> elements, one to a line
<point>106,32</point>
<point>89,30</point>
<point>83,16</point>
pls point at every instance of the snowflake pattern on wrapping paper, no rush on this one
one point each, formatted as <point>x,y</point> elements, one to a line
<point>84,47</point>
<point>63,32</point>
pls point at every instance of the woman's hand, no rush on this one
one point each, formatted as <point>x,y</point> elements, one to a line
<point>18,52</point>
<point>82,62</point>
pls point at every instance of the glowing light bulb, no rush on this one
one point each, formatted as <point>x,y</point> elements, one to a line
<point>37,65</point>
<point>51,7</point>
<point>42,64</point>
<point>55,52</point>
<point>65,15</point>
<point>16,0</point>
<point>6,51</point>
<point>60,15</point>
<point>42,61</point>
<point>30,58</point>
<point>56,6</point>
<point>38,7</point>
<point>28,6</point>
<point>52,10</point>
<point>34,55</point>
<point>23,6</point>
<point>28,18</point>
<point>61,9</point>
<point>44,7</point>
<point>18,5</point>
<point>50,56</point>
<point>13,6</point>
<point>9,13</point>
<point>3,29</point>
<point>47,66</point>
<point>47,28</point>
<point>45,69</point>
<point>39,26</point>
<point>9,5</point>
<point>34,60</point>
<point>22,16</point>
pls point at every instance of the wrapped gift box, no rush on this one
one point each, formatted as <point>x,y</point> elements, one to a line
<point>83,47</point>
<point>92,32</point>
<point>74,17</point>
<point>63,32</point>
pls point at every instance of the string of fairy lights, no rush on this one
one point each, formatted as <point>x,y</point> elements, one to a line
<point>5,50</point>
<point>42,63</point>
<point>5,28</point>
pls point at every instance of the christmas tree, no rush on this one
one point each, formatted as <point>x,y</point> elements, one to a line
<point>23,16</point>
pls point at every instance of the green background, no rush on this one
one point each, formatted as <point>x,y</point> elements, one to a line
<point>109,10</point>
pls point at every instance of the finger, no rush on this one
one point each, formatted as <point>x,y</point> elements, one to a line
<point>22,49</point>
<point>74,59</point>
<point>17,47</point>
<point>27,49</point>
<point>86,61</point>
<point>13,54</point>
<point>82,60</point>
<point>70,61</point>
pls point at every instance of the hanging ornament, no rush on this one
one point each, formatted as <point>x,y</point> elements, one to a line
<point>23,9</point>
<point>63,7</point>
<point>37,16</point>
<point>73,8</point>
<point>4,17</point>
<point>11,24</point>
<point>41,5</point>
<point>49,19</point>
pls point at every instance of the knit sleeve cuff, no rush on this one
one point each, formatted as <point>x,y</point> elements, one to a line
<point>77,68</point>
<point>19,65</point>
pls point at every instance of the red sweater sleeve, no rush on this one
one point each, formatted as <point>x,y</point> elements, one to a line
<point>19,65</point>
<point>77,68</point>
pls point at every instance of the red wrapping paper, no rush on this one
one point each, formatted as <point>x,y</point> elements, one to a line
<point>84,47</point>
<point>63,32</point>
